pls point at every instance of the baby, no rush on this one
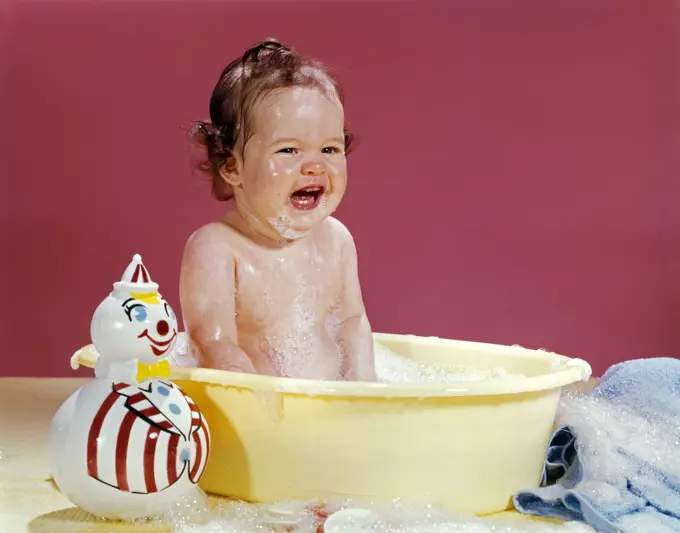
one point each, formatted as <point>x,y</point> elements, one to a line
<point>272,287</point>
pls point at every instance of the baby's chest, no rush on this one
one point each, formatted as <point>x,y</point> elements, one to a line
<point>271,282</point>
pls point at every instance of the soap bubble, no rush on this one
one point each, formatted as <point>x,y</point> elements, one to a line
<point>182,354</point>
<point>294,351</point>
<point>365,517</point>
<point>191,509</point>
<point>602,427</point>
<point>628,456</point>
<point>394,368</point>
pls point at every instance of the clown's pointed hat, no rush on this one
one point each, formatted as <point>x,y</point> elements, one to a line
<point>136,279</point>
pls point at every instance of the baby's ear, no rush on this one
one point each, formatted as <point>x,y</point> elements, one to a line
<point>230,172</point>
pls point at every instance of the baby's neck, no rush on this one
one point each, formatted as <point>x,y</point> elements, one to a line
<point>256,230</point>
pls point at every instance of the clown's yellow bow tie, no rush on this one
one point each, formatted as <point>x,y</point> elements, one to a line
<point>159,370</point>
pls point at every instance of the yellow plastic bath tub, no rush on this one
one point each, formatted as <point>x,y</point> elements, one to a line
<point>468,446</point>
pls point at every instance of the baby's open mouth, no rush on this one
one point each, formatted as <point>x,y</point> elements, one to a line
<point>307,198</point>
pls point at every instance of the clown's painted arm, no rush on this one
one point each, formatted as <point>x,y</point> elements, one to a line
<point>207,297</point>
<point>355,335</point>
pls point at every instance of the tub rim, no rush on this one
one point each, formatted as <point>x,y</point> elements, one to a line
<point>565,371</point>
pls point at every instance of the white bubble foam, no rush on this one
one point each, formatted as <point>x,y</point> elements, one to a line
<point>605,429</point>
<point>182,354</point>
<point>192,509</point>
<point>618,446</point>
<point>602,427</point>
<point>393,368</point>
<point>295,351</point>
<point>364,517</point>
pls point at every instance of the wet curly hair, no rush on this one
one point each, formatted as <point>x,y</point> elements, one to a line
<point>263,68</point>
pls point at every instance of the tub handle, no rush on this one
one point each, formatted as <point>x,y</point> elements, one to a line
<point>75,360</point>
<point>583,366</point>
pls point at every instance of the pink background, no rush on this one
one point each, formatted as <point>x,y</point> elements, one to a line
<point>516,179</point>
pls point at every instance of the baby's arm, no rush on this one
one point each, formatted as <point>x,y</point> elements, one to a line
<point>207,296</point>
<point>355,332</point>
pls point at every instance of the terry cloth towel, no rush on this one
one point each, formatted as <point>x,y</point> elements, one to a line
<point>614,460</point>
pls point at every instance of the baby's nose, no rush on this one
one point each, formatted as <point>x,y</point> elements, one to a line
<point>313,168</point>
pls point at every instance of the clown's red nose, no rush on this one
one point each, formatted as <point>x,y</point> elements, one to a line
<point>162,327</point>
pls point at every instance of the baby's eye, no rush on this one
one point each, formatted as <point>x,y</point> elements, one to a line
<point>287,151</point>
<point>332,150</point>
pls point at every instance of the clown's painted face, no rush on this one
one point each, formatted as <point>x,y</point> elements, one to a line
<point>132,325</point>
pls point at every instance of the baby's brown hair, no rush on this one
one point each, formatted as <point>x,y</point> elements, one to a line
<point>263,68</point>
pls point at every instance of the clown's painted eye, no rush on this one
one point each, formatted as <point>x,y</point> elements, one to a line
<point>170,312</point>
<point>136,311</point>
<point>139,313</point>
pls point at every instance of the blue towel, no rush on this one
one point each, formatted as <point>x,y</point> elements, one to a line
<point>614,460</point>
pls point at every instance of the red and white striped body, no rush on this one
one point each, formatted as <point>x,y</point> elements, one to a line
<point>154,445</point>
<point>128,450</point>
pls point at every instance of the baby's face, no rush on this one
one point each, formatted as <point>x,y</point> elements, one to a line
<point>293,173</point>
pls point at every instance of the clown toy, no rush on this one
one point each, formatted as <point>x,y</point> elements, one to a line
<point>129,443</point>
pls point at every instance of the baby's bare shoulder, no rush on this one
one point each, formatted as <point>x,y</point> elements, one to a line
<point>338,232</point>
<point>214,238</point>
